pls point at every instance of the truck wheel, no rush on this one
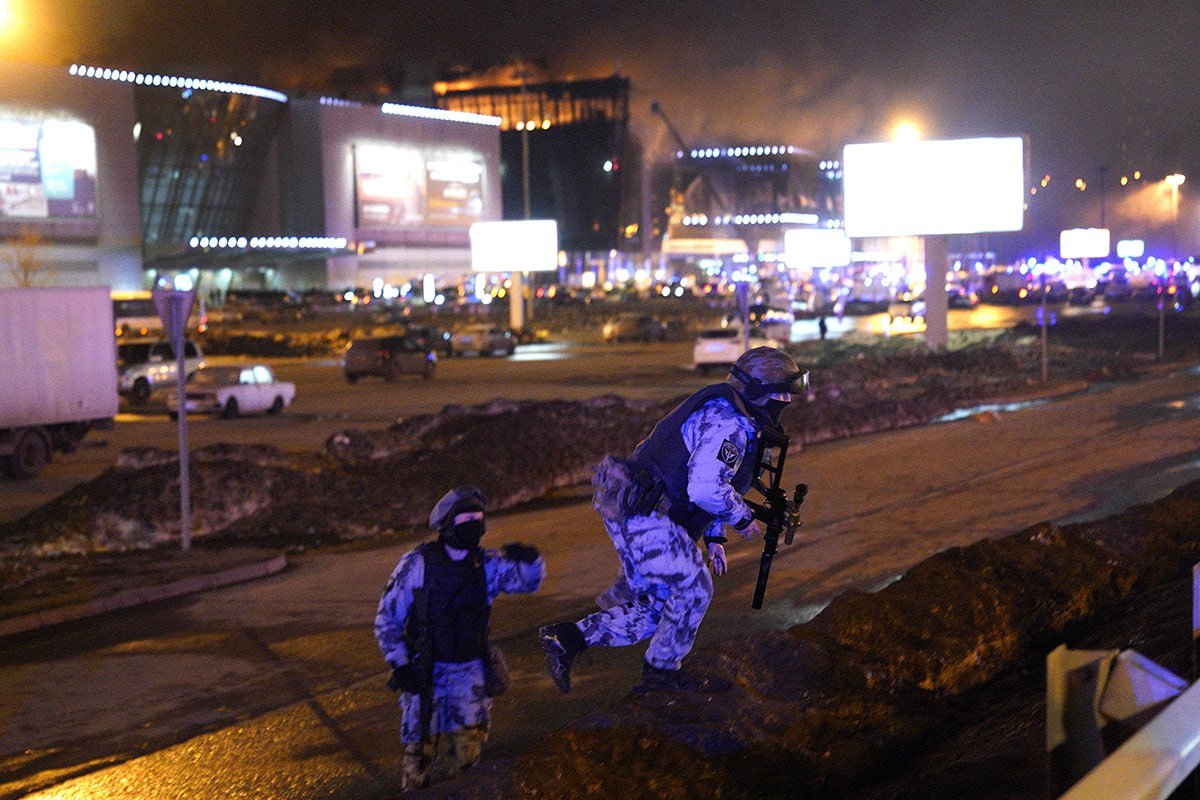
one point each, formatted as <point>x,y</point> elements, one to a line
<point>231,408</point>
<point>141,392</point>
<point>70,436</point>
<point>30,453</point>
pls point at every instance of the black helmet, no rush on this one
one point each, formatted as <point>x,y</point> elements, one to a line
<point>454,502</point>
<point>765,372</point>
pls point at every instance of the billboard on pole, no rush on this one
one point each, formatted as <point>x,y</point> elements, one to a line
<point>815,248</point>
<point>1084,243</point>
<point>928,188</point>
<point>529,245</point>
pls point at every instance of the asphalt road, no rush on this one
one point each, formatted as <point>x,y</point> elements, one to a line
<point>325,404</point>
<point>273,689</point>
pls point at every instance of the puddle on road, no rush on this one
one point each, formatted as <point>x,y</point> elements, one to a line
<point>983,408</point>
<point>547,351</point>
<point>1143,484</point>
<point>1160,411</point>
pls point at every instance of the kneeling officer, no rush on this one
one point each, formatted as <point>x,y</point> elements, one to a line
<point>432,628</point>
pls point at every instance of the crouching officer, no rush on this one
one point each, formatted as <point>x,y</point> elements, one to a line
<point>432,628</point>
<point>685,482</point>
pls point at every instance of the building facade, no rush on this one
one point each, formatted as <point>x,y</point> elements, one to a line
<point>114,177</point>
<point>69,211</point>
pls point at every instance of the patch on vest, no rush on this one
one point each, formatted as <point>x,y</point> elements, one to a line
<point>729,452</point>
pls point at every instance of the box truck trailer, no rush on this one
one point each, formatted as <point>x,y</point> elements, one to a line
<point>58,372</point>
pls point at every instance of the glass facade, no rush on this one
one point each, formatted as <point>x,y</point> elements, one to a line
<point>200,160</point>
<point>573,137</point>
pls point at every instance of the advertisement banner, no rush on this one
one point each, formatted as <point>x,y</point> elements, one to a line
<point>401,186</point>
<point>47,169</point>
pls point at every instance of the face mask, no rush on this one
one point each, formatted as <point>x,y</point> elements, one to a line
<point>466,535</point>
<point>774,408</point>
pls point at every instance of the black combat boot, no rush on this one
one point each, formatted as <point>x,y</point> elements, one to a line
<point>656,679</point>
<point>562,642</point>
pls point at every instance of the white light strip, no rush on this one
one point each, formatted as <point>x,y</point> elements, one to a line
<point>438,113</point>
<point>339,102</point>
<point>269,242</point>
<point>790,218</point>
<point>739,152</point>
<point>171,81</point>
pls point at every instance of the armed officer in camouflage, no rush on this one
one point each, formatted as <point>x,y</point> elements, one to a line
<point>685,482</point>
<point>432,628</point>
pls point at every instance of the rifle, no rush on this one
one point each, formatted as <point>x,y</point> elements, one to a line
<point>780,515</point>
<point>420,655</point>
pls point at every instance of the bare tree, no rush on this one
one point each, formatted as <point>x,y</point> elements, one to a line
<point>23,259</point>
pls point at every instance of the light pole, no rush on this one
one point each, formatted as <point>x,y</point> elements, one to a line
<point>1174,180</point>
<point>516,303</point>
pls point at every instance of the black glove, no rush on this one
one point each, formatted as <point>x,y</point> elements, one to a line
<point>404,680</point>
<point>526,554</point>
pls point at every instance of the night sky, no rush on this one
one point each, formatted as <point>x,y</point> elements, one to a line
<point>1094,84</point>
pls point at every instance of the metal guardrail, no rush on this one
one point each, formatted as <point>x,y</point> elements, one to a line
<point>1092,694</point>
<point>1154,761</point>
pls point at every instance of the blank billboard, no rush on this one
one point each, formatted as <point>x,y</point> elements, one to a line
<point>1084,243</point>
<point>529,245</point>
<point>816,248</point>
<point>927,188</point>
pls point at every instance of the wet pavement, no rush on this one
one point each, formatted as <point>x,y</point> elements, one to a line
<point>273,689</point>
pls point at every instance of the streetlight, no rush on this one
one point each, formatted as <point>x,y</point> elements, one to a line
<point>8,19</point>
<point>1174,180</point>
<point>516,303</point>
<point>906,130</point>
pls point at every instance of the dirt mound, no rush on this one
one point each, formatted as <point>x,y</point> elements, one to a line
<point>828,708</point>
<point>366,483</point>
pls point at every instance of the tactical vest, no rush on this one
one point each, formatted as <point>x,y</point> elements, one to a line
<point>458,609</point>
<point>665,455</point>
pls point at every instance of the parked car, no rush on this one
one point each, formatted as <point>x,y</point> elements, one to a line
<point>144,367</point>
<point>718,348</point>
<point>634,327</point>
<point>229,391</point>
<point>388,357</point>
<point>907,307</point>
<point>483,339</point>
<point>431,338</point>
<point>961,298</point>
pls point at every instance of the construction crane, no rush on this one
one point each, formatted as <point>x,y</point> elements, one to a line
<point>746,233</point>
<point>686,151</point>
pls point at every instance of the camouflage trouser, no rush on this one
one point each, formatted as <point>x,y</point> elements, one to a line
<point>458,702</point>
<point>671,589</point>
<point>467,745</point>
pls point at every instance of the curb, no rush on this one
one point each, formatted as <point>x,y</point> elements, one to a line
<point>141,596</point>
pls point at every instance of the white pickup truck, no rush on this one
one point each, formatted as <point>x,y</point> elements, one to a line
<point>58,372</point>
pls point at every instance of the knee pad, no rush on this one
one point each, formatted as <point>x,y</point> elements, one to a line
<point>468,747</point>
<point>418,759</point>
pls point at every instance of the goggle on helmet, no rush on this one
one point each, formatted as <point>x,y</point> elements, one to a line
<point>755,389</point>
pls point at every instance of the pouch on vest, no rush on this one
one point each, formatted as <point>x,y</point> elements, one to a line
<point>496,678</point>
<point>622,488</point>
